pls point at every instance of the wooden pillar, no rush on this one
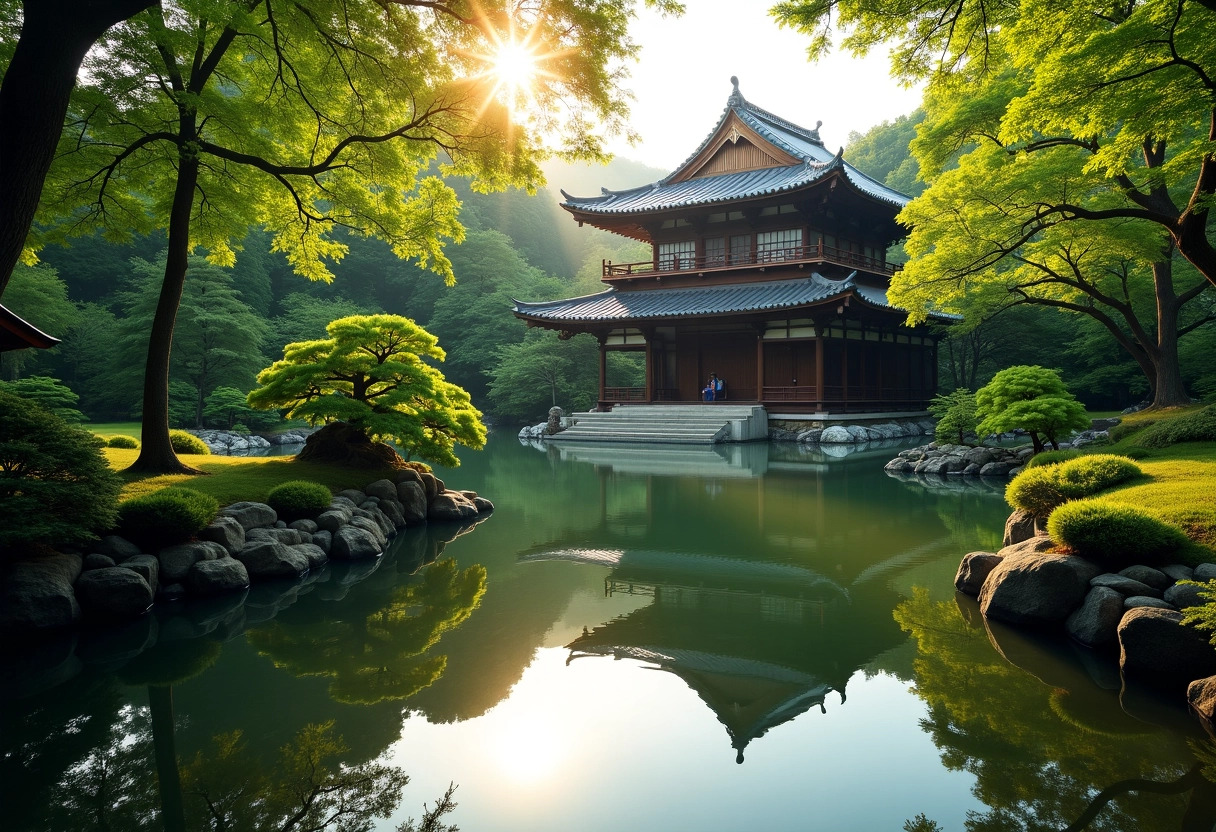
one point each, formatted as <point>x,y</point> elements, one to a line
<point>760,363</point>
<point>603,366</point>
<point>818,371</point>
<point>882,346</point>
<point>844,370</point>
<point>649,369</point>
<point>933,363</point>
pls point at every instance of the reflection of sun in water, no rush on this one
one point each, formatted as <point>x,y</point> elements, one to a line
<point>528,750</point>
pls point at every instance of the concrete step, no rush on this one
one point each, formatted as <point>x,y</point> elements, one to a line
<point>677,424</point>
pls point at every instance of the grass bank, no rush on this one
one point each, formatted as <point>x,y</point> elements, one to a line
<point>234,478</point>
<point>1179,482</point>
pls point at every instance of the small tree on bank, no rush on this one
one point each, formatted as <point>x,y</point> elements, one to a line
<point>955,414</point>
<point>1031,398</point>
<point>371,375</point>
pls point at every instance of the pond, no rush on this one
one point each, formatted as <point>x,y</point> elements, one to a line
<point>647,638</point>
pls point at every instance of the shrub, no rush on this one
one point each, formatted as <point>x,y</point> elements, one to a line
<point>129,442</point>
<point>187,443</point>
<point>298,499</point>
<point>1051,458</point>
<point>1113,536</point>
<point>1040,489</point>
<point>1204,615</point>
<point>1036,490</point>
<point>171,515</point>
<point>55,484</point>
<point>1088,475</point>
<point>1193,427</point>
<point>242,429</point>
<point>1125,429</point>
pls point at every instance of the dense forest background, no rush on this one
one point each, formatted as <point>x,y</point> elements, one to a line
<point>98,296</point>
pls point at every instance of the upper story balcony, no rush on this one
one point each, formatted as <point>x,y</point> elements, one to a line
<point>752,259</point>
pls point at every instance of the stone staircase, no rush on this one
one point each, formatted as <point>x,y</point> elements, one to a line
<point>692,424</point>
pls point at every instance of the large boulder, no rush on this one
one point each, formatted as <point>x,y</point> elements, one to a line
<point>1184,595</point>
<point>214,577</point>
<point>1155,578</point>
<point>1018,527</point>
<point>288,537</point>
<point>333,519</point>
<point>226,531</point>
<point>308,527</point>
<point>113,593</point>
<point>38,594</point>
<point>431,484</point>
<point>148,567</point>
<point>354,543</point>
<point>450,506</point>
<point>1201,695</point>
<point>118,548</point>
<point>1156,648</point>
<point>270,559</point>
<point>1125,586</point>
<point>323,540</point>
<point>1096,622</point>
<point>836,435</point>
<point>251,515</point>
<point>382,489</point>
<point>974,570</point>
<point>96,561</point>
<point>371,527</point>
<point>1036,590</point>
<point>371,510</point>
<point>175,561</point>
<point>392,510</point>
<point>315,554</point>
<point>482,505</point>
<point>413,499</point>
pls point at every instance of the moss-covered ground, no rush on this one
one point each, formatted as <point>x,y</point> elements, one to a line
<point>231,479</point>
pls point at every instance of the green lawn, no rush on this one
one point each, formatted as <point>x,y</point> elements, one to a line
<point>1179,486</point>
<point>108,429</point>
<point>231,479</point>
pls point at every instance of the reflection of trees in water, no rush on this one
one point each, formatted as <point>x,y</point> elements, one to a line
<point>114,785</point>
<point>383,655</point>
<point>1043,754</point>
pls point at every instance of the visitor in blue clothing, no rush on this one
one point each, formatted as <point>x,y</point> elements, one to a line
<point>712,388</point>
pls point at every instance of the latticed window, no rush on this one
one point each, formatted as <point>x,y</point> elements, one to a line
<point>677,255</point>
<point>715,251</point>
<point>741,248</point>
<point>773,246</point>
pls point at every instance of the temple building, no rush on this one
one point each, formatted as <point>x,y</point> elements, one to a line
<point>768,267</point>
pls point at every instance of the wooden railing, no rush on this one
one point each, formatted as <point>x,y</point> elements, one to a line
<point>819,253</point>
<point>857,398</point>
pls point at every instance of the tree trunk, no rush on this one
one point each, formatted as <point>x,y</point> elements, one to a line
<point>1168,391</point>
<point>55,36</point>
<point>156,454</point>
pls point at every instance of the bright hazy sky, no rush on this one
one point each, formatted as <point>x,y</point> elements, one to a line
<point>683,79</point>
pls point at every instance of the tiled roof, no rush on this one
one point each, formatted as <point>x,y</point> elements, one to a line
<point>626,305</point>
<point>799,142</point>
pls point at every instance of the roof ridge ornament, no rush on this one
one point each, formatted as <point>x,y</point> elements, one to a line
<point>736,98</point>
<point>814,134</point>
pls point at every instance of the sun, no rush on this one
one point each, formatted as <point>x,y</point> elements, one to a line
<point>514,67</point>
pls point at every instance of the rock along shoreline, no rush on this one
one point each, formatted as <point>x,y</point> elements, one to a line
<point>113,581</point>
<point>1137,611</point>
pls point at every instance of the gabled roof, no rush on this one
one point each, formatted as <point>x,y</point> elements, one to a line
<point>16,333</point>
<point>626,305</point>
<point>811,161</point>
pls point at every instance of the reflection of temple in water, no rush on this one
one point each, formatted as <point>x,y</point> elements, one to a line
<point>760,643</point>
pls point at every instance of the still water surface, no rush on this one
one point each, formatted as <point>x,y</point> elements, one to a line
<point>747,637</point>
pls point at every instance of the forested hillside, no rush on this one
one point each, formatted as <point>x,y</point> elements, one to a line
<point>98,296</point>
